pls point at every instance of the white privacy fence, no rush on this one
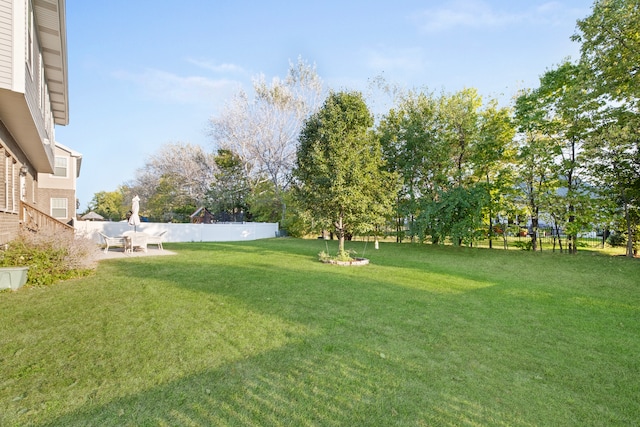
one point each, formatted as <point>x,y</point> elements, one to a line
<point>229,232</point>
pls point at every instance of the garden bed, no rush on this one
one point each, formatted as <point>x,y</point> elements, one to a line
<point>354,262</point>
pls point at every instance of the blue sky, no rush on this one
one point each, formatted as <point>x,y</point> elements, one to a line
<point>143,73</point>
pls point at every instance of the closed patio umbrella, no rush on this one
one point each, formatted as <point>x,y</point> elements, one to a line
<point>134,219</point>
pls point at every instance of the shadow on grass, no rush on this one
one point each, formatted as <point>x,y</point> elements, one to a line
<point>394,342</point>
<point>325,387</point>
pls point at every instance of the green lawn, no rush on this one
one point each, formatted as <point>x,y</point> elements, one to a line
<point>262,334</point>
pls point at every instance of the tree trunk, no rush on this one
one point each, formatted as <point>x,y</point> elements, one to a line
<point>504,235</point>
<point>630,236</point>
<point>398,221</point>
<point>490,217</point>
<point>572,238</point>
<point>340,232</point>
<point>558,236</point>
<point>534,230</point>
<point>490,230</point>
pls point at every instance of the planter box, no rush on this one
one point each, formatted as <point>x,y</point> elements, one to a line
<point>13,277</point>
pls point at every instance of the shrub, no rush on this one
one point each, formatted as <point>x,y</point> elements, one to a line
<point>50,257</point>
<point>347,255</point>
<point>617,239</point>
<point>525,245</point>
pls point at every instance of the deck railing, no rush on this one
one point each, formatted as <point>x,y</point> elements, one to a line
<point>35,220</point>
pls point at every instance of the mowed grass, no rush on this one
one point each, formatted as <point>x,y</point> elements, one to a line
<point>262,334</point>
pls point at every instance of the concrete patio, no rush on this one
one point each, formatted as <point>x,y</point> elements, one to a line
<point>117,253</point>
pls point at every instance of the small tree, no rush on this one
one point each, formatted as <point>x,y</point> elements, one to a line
<point>109,204</point>
<point>228,193</point>
<point>339,168</point>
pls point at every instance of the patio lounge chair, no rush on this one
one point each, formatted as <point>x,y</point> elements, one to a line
<point>114,242</point>
<point>156,240</point>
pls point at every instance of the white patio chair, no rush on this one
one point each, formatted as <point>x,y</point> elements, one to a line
<point>156,240</point>
<point>119,242</point>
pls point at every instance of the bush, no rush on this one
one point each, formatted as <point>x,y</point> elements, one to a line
<point>525,245</point>
<point>50,257</point>
<point>616,239</point>
<point>345,256</point>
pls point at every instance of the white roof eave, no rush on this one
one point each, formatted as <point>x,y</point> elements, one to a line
<point>52,32</point>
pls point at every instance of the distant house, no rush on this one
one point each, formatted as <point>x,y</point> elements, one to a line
<point>202,216</point>
<point>33,99</point>
<point>57,190</point>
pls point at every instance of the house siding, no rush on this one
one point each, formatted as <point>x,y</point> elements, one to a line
<point>27,133</point>
<point>46,194</point>
<point>9,190</point>
<point>50,186</point>
<point>32,97</point>
<point>9,227</point>
<point>11,160</point>
<point>6,44</point>
<point>37,94</point>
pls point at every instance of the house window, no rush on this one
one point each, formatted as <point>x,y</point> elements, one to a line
<point>60,167</point>
<point>59,208</point>
<point>10,192</point>
<point>14,188</point>
<point>5,204</point>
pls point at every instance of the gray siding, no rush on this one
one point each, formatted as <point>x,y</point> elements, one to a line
<point>6,44</point>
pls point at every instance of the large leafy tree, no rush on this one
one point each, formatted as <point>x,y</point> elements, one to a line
<point>610,52</point>
<point>451,153</point>
<point>339,168</point>
<point>492,158</point>
<point>460,130</point>
<point>408,135</point>
<point>263,129</point>
<point>537,171</point>
<point>174,181</point>
<point>109,204</point>
<point>611,49</point>
<point>614,151</point>
<point>561,112</point>
<point>456,213</point>
<point>167,202</point>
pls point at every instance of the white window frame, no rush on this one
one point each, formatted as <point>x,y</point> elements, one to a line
<point>56,166</point>
<point>12,186</point>
<point>14,201</point>
<point>62,201</point>
<point>6,183</point>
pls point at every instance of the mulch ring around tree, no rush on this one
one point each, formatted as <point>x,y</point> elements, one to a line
<point>352,263</point>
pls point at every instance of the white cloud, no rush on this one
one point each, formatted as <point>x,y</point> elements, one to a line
<point>217,68</point>
<point>170,87</point>
<point>464,13</point>
<point>556,13</point>
<point>476,14</point>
